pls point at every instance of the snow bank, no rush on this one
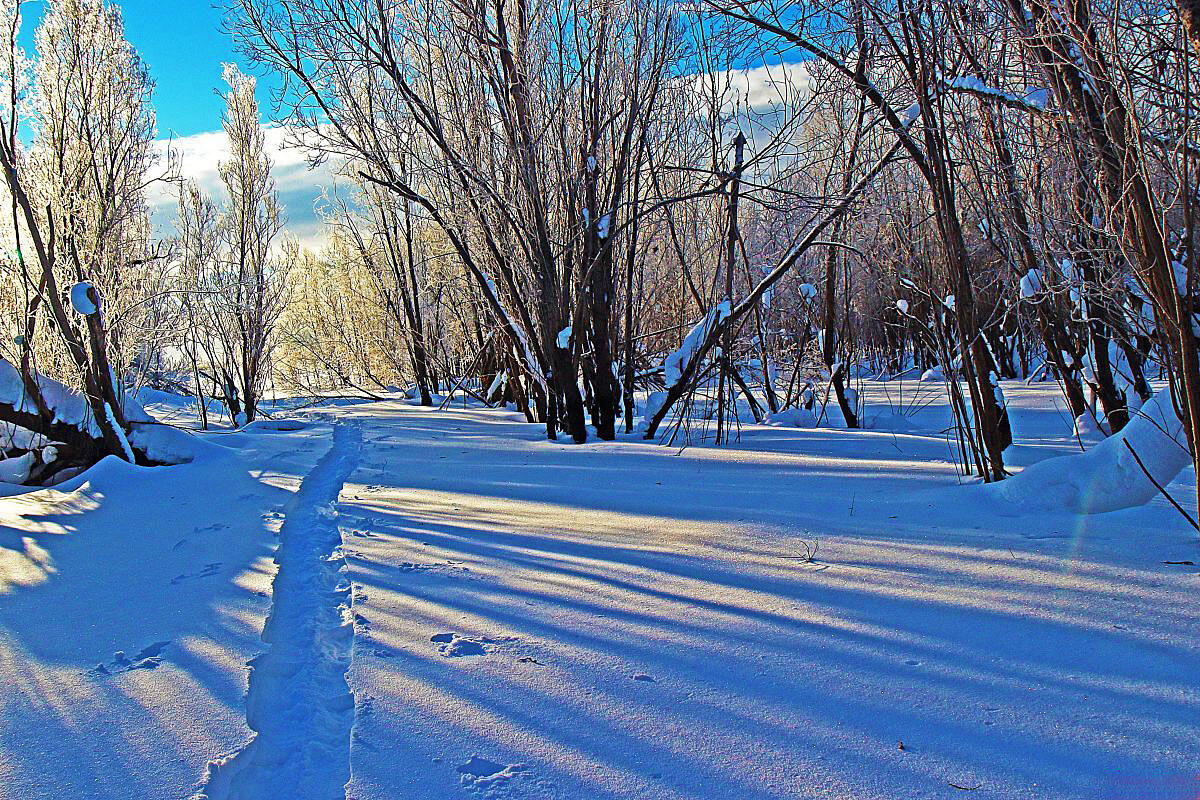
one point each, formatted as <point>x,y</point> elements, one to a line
<point>1108,477</point>
<point>165,444</point>
<point>1087,431</point>
<point>275,425</point>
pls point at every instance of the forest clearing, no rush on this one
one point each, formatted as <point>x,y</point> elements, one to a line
<point>615,399</point>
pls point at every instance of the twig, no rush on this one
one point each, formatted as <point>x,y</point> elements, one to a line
<point>1159,486</point>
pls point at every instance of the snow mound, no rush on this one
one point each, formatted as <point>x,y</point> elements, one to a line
<point>1108,477</point>
<point>166,444</point>
<point>792,418</point>
<point>892,422</point>
<point>1087,431</point>
<point>16,470</point>
<point>933,375</point>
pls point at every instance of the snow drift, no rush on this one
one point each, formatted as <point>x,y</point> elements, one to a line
<point>1108,477</point>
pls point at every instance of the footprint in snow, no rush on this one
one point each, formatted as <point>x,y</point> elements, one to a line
<point>451,645</point>
<point>487,777</point>
<point>208,571</point>
<point>147,658</point>
<point>643,677</point>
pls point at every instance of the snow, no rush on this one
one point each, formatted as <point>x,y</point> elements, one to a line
<point>1087,431</point>
<point>16,470</point>
<point>16,437</point>
<point>497,384</point>
<point>564,338</point>
<point>166,444</point>
<point>677,363</point>
<point>69,407</point>
<point>1038,99</point>
<point>1108,477</point>
<point>131,600</point>
<point>126,450</point>
<point>301,710</point>
<point>933,375</point>
<point>807,291</point>
<point>463,609</point>
<point>531,362</point>
<point>1180,272</point>
<point>792,418</point>
<point>1031,283</point>
<point>1032,99</point>
<point>591,164</point>
<point>81,300</point>
<point>603,225</point>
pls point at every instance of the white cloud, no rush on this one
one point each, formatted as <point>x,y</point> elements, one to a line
<point>759,89</point>
<point>298,186</point>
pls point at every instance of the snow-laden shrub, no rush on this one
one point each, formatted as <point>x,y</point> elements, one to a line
<point>1108,477</point>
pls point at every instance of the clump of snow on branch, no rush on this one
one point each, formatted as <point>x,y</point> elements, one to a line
<point>81,299</point>
<point>1031,100</point>
<point>1031,283</point>
<point>676,364</point>
<point>531,362</point>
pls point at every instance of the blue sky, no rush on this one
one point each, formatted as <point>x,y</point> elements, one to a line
<point>185,46</point>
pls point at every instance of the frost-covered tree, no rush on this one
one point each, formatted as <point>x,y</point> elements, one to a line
<point>87,267</point>
<point>249,286</point>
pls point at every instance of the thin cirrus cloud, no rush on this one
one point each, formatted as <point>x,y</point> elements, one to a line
<point>198,156</point>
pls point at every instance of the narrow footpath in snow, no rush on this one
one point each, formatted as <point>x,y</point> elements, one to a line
<point>298,703</point>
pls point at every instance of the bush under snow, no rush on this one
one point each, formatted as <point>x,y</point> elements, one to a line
<point>1108,477</point>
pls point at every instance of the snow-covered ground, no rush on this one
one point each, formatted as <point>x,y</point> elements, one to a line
<point>464,609</point>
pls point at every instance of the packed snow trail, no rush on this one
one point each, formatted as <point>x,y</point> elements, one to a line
<point>299,704</point>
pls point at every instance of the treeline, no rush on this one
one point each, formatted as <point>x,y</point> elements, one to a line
<point>622,215</point>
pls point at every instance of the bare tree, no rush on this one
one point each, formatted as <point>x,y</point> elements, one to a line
<point>78,201</point>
